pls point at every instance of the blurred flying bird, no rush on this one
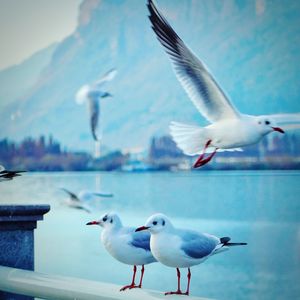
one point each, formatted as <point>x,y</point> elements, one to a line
<point>181,248</point>
<point>81,200</point>
<point>125,245</point>
<point>229,129</point>
<point>92,93</point>
<point>6,175</point>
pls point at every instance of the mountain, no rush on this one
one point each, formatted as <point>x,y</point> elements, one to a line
<point>17,79</point>
<point>251,47</point>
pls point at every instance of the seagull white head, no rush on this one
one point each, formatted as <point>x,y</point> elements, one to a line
<point>108,221</point>
<point>266,125</point>
<point>156,224</point>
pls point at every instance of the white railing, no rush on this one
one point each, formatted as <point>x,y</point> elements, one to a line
<point>56,287</point>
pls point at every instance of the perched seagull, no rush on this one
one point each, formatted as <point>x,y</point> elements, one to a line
<point>6,175</point>
<point>181,248</point>
<point>80,201</point>
<point>229,129</point>
<point>93,93</point>
<point>125,245</point>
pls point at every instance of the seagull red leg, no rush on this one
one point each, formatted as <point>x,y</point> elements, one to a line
<point>142,275</point>
<point>178,292</point>
<point>201,161</point>
<point>189,275</point>
<point>132,285</point>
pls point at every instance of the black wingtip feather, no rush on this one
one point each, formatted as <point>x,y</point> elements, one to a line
<point>225,241</point>
<point>164,32</point>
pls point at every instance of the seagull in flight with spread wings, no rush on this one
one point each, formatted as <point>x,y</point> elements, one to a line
<point>82,199</point>
<point>6,175</point>
<point>92,93</point>
<point>229,129</point>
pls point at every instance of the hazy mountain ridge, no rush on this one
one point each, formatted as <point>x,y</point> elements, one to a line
<point>252,50</point>
<point>17,79</point>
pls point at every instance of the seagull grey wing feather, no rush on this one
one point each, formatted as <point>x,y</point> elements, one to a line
<point>107,195</point>
<point>72,195</point>
<point>81,207</point>
<point>199,84</point>
<point>108,76</point>
<point>197,245</point>
<point>286,121</point>
<point>94,108</point>
<point>141,239</point>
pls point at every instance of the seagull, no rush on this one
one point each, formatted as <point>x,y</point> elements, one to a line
<point>229,129</point>
<point>93,93</point>
<point>125,245</point>
<point>80,201</point>
<point>6,175</point>
<point>181,248</point>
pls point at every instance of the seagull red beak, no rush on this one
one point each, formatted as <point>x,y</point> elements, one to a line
<point>142,228</point>
<point>278,129</point>
<point>93,223</point>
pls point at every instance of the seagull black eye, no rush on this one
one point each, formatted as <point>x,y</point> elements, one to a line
<point>104,219</point>
<point>154,223</point>
<point>111,221</point>
<point>267,122</point>
<point>163,223</point>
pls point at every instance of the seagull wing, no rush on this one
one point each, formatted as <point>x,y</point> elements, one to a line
<point>81,207</point>
<point>108,76</point>
<point>72,195</point>
<point>286,121</point>
<point>94,108</point>
<point>197,245</point>
<point>100,194</point>
<point>2,169</point>
<point>140,239</point>
<point>199,84</point>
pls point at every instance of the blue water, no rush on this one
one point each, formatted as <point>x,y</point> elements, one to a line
<point>261,208</point>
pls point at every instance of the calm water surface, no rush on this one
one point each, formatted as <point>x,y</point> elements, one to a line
<point>261,208</point>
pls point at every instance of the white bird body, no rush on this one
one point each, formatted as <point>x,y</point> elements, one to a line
<point>172,256</point>
<point>229,129</point>
<point>117,242</point>
<point>234,133</point>
<point>125,245</point>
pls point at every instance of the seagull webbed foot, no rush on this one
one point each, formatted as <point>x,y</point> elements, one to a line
<point>130,286</point>
<point>178,292</point>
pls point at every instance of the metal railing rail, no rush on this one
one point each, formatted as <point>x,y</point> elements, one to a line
<point>56,287</point>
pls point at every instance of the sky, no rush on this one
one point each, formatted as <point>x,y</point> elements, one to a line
<point>21,37</point>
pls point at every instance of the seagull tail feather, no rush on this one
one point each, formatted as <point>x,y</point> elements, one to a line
<point>225,242</point>
<point>189,138</point>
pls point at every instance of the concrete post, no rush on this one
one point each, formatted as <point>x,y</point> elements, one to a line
<point>17,223</point>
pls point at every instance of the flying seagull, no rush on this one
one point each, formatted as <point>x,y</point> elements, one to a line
<point>181,248</point>
<point>125,245</point>
<point>6,175</point>
<point>92,93</point>
<point>229,129</point>
<point>81,200</point>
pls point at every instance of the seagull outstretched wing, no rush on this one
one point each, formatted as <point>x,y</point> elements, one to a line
<point>94,108</point>
<point>108,76</point>
<point>72,195</point>
<point>199,84</point>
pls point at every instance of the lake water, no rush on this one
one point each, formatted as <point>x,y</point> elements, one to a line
<point>261,208</point>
